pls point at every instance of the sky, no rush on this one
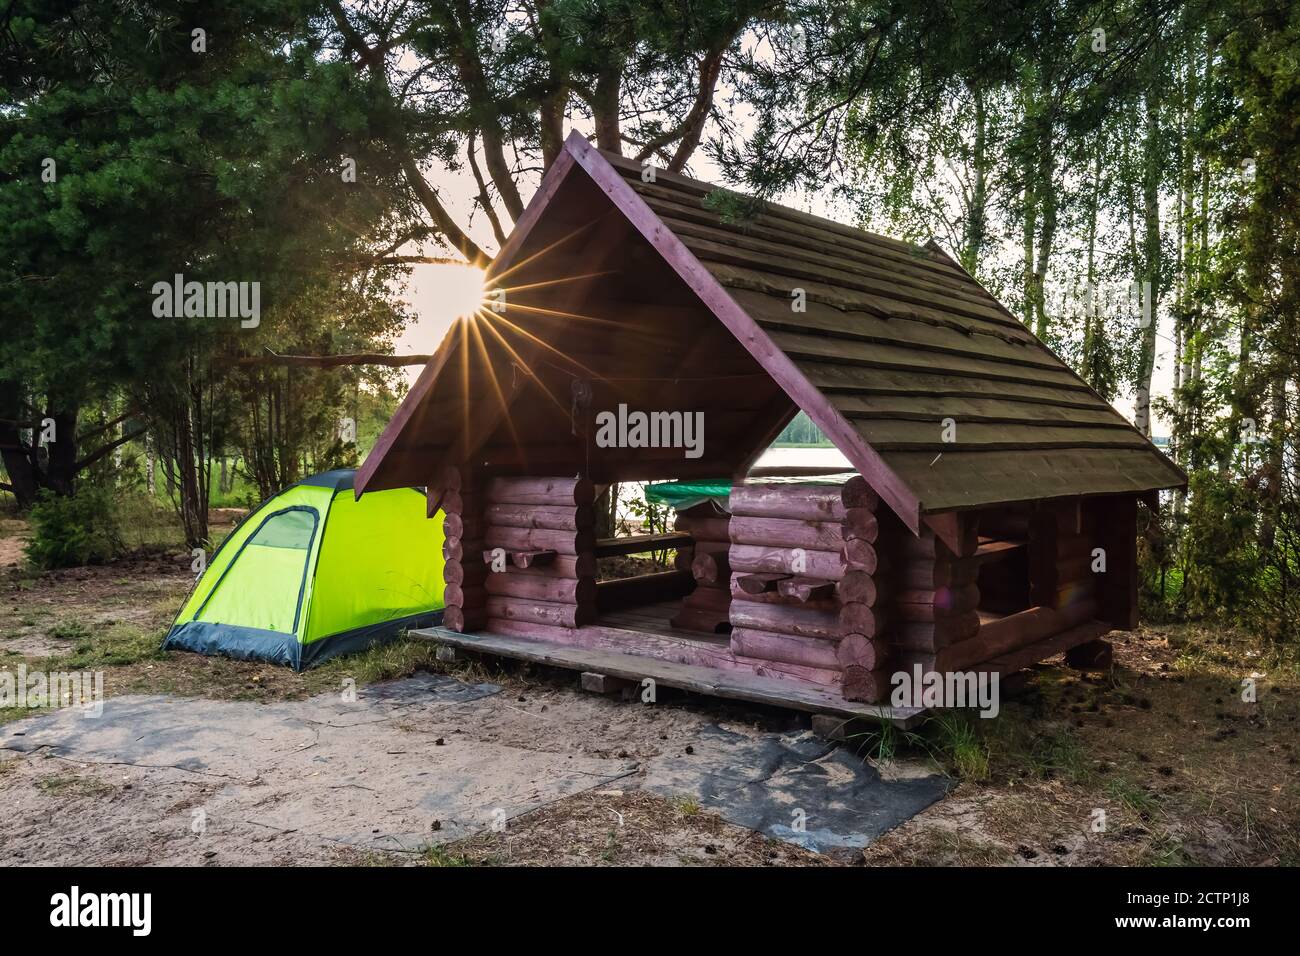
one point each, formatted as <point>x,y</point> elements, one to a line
<point>439,293</point>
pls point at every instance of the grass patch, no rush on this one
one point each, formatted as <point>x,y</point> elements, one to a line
<point>610,853</point>
<point>1058,754</point>
<point>1137,798</point>
<point>438,855</point>
<point>398,658</point>
<point>147,525</point>
<point>881,743</point>
<point>70,630</point>
<point>959,744</point>
<point>687,806</point>
<point>1167,850</point>
<point>71,785</point>
<point>118,644</point>
<point>953,739</point>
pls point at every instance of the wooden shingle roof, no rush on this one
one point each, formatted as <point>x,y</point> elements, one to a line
<point>899,338</point>
<point>894,343</point>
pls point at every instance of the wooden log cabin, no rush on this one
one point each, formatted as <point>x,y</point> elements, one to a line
<point>986,520</point>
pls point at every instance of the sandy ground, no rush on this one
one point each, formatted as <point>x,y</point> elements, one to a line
<point>414,764</point>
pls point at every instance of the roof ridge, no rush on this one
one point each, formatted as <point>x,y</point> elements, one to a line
<point>619,161</point>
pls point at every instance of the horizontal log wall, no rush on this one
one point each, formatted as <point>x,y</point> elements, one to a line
<point>806,582</point>
<point>1061,541</point>
<point>1114,529</point>
<point>704,609</point>
<point>939,628</point>
<point>537,549</point>
<point>1013,632</point>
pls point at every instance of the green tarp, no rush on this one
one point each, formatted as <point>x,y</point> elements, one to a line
<point>681,495</point>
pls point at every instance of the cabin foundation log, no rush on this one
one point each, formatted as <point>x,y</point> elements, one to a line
<point>606,685</point>
<point>862,684</point>
<point>830,727</point>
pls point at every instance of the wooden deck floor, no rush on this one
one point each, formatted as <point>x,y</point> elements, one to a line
<point>655,619</point>
<point>649,654</point>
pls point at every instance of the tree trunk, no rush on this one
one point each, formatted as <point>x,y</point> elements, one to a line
<point>608,134</point>
<point>552,129</point>
<point>607,513</point>
<point>61,454</point>
<point>1028,228</point>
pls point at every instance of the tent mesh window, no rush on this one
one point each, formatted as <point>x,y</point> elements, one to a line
<point>289,529</point>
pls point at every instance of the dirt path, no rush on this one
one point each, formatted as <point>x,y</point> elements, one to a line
<point>13,538</point>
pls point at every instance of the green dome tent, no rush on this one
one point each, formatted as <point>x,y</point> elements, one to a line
<point>314,573</point>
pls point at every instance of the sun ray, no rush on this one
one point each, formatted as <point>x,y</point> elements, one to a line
<point>495,278</point>
<point>550,282</point>
<point>529,335</point>
<point>560,313</point>
<point>521,363</point>
<point>496,384</point>
<point>463,348</point>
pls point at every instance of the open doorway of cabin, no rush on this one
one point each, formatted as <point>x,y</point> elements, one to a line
<point>647,578</point>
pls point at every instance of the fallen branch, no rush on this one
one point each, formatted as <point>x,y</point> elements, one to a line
<point>330,361</point>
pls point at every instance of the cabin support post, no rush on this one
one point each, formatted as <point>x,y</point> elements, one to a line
<point>1093,656</point>
<point>594,683</point>
<point>862,650</point>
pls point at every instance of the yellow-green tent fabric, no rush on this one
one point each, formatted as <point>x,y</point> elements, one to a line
<point>314,573</point>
